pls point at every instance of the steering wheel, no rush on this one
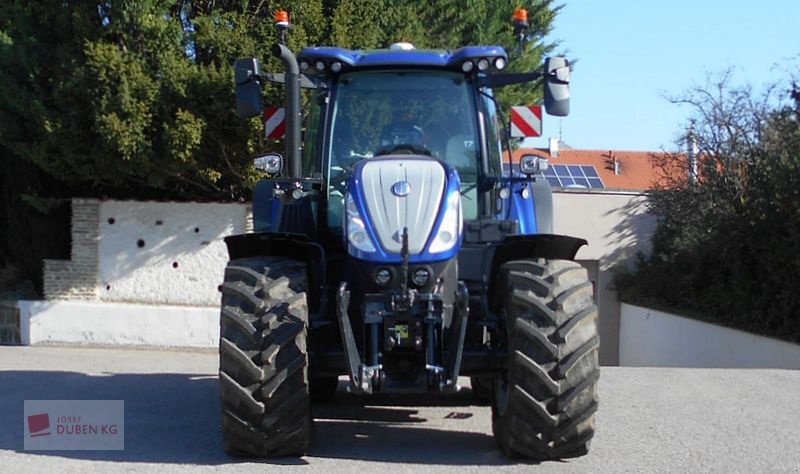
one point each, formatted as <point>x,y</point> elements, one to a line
<point>403,149</point>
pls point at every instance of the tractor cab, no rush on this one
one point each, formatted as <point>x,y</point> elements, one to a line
<point>399,102</point>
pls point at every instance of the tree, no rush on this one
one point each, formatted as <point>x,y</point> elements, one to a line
<point>135,99</point>
<point>724,248</point>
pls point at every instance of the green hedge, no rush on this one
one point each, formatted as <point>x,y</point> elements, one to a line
<point>727,246</point>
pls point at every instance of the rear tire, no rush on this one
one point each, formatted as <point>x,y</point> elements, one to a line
<point>544,405</point>
<point>263,377</point>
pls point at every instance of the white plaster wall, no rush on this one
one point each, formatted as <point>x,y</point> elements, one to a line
<point>87,323</point>
<point>183,258</point>
<point>617,226</point>
<point>650,338</point>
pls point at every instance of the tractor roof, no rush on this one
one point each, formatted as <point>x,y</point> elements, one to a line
<point>400,58</point>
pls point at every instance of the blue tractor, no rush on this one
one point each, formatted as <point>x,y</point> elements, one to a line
<point>399,246</point>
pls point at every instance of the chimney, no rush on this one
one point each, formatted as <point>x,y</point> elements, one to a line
<point>612,163</point>
<point>553,147</point>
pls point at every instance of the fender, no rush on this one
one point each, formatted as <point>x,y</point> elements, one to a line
<point>284,244</point>
<point>548,246</point>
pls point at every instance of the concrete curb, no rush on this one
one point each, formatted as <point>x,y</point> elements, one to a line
<point>118,324</point>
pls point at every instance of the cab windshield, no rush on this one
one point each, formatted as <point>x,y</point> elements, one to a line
<point>427,113</point>
<point>404,112</point>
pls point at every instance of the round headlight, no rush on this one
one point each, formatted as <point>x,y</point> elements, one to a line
<point>483,64</point>
<point>383,276</point>
<point>297,193</point>
<point>421,277</point>
<point>358,236</point>
<point>336,66</point>
<point>500,63</point>
<point>467,66</point>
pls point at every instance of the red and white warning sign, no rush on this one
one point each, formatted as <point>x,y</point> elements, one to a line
<point>274,122</point>
<point>526,121</point>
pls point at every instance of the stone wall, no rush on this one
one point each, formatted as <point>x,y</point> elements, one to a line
<point>76,279</point>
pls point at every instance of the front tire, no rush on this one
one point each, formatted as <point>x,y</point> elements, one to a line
<point>323,389</point>
<point>263,375</point>
<point>482,388</point>
<point>544,405</point>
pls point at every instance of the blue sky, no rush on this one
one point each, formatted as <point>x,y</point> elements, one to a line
<point>630,54</point>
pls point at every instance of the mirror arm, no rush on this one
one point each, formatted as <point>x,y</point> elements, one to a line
<point>496,81</point>
<point>251,78</point>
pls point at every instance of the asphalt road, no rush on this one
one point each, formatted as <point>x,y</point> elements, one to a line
<point>650,420</point>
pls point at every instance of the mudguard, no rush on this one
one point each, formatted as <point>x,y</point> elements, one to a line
<point>297,246</point>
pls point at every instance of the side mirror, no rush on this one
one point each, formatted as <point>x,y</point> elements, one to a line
<point>556,86</point>
<point>271,163</point>
<point>248,87</point>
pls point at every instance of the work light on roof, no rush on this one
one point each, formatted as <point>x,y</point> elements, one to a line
<point>319,66</point>
<point>483,64</point>
<point>402,46</point>
<point>500,63</point>
<point>467,66</point>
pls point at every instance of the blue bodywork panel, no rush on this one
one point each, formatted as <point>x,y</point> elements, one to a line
<point>266,209</point>
<point>520,205</point>
<point>521,208</point>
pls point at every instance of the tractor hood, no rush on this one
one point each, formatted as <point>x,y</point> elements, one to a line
<point>389,194</point>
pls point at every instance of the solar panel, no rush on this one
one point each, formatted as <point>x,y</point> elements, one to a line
<point>563,176</point>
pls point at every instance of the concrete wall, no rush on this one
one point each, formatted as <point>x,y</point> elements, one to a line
<point>652,338</point>
<point>616,226</point>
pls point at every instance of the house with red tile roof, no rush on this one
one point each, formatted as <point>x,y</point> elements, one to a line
<point>597,170</point>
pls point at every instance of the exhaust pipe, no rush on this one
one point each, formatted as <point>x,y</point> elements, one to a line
<point>293,108</point>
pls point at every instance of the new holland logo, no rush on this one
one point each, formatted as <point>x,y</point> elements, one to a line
<point>401,188</point>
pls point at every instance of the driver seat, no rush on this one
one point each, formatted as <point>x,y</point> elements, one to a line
<point>402,133</point>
